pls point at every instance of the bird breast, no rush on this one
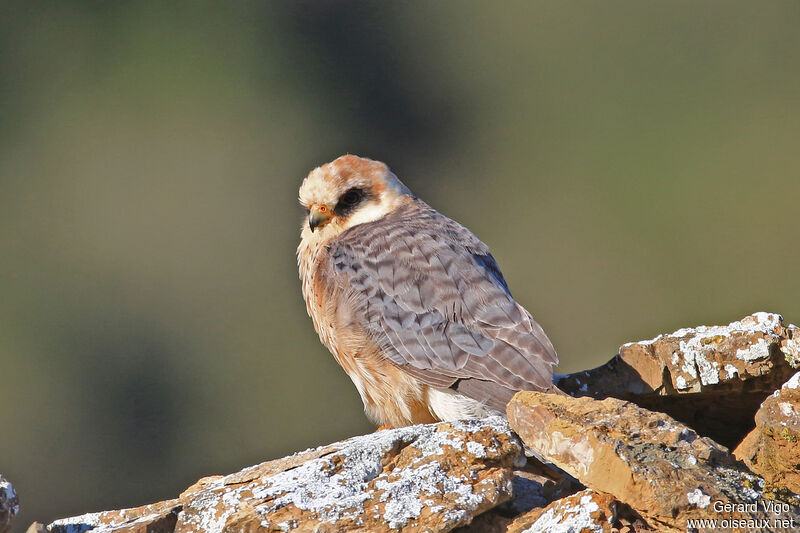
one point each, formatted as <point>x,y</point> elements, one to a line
<point>391,397</point>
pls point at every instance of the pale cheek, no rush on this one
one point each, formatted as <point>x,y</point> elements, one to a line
<point>368,213</point>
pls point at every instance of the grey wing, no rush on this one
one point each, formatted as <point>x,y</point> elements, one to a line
<point>433,297</point>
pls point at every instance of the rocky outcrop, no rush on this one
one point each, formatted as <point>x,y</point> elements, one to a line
<point>659,467</point>
<point>640,445</point>
<point>420,478</point>
<point>772,449</point>
<point>585,510</point>
<point>712,378</point>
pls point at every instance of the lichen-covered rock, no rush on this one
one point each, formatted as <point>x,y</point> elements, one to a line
<point>710,377</point>
<point>790,345</point>
<point>159,517</point>
<point>662,469</point>
<point>772,449</point>
<point>692,359</point>
<point>531,492</point>
<point>703,356</point>
<point>420,478</point>
<point>586,510</point>
<point>9,504</point>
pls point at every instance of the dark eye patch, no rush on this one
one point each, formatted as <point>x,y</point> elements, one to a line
<point>349,201</point>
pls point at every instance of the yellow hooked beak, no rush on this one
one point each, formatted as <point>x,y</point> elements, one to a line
<point>318,216</point>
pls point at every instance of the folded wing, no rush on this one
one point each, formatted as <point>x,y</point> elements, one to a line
<point>434,299</point>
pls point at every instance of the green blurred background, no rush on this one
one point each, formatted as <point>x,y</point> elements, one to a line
<point>633,166</point>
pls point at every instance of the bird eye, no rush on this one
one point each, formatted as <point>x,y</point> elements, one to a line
<point>351,197</point>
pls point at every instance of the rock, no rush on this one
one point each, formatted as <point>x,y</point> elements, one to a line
<point>531,491</point>
<point>711,378</point>
<point>662,469</point>
<point>158,517</point>
<point>586,510</point>
<point>9,504</point>
<point>421,478</point>
<point>772,449</point>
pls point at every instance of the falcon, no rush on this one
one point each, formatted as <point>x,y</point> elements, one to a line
<point>410,303</point>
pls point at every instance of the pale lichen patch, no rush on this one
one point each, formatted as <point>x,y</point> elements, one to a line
<point>77,524</point>
<point>386,478</point>
<point>760,322</point>
<point>791,346</point>
<point>698,498</point>
<point>477,449</point>
<point>787,409</point>
<point>793,383</point>
<point>569,519</point>
<point>754,352</point>
<point>695,362</point>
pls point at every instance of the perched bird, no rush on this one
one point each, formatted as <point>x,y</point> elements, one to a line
<point>410,303</point>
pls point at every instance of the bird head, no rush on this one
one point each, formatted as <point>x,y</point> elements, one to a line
<point>348,191</point>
